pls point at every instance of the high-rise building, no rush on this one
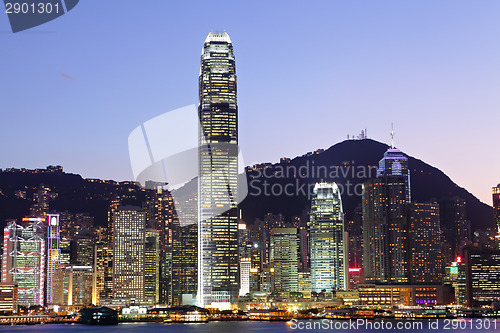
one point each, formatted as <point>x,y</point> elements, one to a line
<point>483,267</point>
<point>53,255</point>
<point>456,276</point>
<point>496,206</point>
<point>78,285</point>
<point>327,243</point>
<point>23,259</point>
<point>245,266</point>
<point>103,273</point>
<point>426,262</point>
<point>152,267</point>
<point>385,221</point>
<point>184,267</point>
<point>455,225</point>
<point>83,250</point>
<point>218,170</point>
<point>129,230</point>
<point>284,259</point>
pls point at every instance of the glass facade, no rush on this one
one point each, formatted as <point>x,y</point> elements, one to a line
<point>218,170</point>
<point>23,259</point>
<point>327,243</point>
<point>129,226</point>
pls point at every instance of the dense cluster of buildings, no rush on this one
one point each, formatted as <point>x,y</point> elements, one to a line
<point>403,252</point>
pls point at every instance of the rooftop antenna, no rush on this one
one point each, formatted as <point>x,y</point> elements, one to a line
<point>392,135</point>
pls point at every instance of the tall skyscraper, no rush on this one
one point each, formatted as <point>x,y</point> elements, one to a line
<point>455,226</point>
<point>426,261</point>
<point>152,267</point>
<point>103,273</point>
<point>129,229</point>
<point>218,174</point>
<point>326,232</point>
<point>483,268</point>
<point>385,221</point>
<point>53,255</point>
<point>23,259</point>
<point>284,259</point>
<point>496,206</point>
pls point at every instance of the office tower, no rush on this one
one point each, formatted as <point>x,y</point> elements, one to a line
<point>65,246</point>
<point>184,262</point>
<point>218,170</point>
<point>103,273</point>
<point>385,221</point>
<point>455,225</point>
<point>496,206</point>
<point>8,298</point>
<point>305,284</point>
<point>304,250</point>
<point>426,262</point>
<point>23,259</point>
<point>245,246</point>
<point>152,267</point>
<point>483,267</point>
<point>78,285</point>
<point>456,276</point>
<point>395,163</point>
<point>129,227</point>
<point>83,249</point>
<point>245,266</point>
<point>159,207</point>
<point>326,232</point>
<point>53,255</point>
<point>284,259</point>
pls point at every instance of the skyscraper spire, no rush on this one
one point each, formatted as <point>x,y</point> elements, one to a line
<point>392,135</point>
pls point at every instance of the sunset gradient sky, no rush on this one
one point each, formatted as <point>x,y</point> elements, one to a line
<point>309,73</point>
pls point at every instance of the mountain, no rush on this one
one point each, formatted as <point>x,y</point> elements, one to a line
<point>78,195</point>
<point>351,157</point>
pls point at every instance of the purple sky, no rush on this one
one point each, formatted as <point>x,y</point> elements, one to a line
<point>309,73</point>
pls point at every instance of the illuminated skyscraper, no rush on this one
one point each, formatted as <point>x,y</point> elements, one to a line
<point>426,261</point>
<point>385,221</point>
<point>23,259</point>
<point>218,174</point>
<point>129,229</point>
<point>326,232</point>
<point>152,267</point>
<point>284,259</point>
<point>496,206</point>
<point>103,273</point>
<point>53,255</point>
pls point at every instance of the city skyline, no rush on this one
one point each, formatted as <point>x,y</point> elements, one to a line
<point>419,77</point>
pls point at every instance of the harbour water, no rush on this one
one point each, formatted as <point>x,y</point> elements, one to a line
<point>459,325</point>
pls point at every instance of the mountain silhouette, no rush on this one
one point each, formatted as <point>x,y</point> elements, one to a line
<point>427,182</point>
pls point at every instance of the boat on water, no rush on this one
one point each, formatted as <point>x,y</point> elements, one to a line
<point>100,315</point>
<point>187,314</point>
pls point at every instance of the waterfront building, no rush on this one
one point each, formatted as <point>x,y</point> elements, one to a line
<point>385,221</point>
<point>426,264</point>
<point>23,259</point>
<point>53,256</point>
<point>152,267</point>
<point>327,243</point>
<point>483,267</point>
<point>218,174</point>
<point>78,286</point>
<point>284,259</point>
<point>103,273</point>
<point>129,226</point>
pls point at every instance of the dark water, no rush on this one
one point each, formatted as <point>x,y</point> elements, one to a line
<point>465,326</point>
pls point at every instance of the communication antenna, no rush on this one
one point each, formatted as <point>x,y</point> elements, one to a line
<point>392,135</point>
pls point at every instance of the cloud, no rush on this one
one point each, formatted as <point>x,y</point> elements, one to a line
<point>66,76</point>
